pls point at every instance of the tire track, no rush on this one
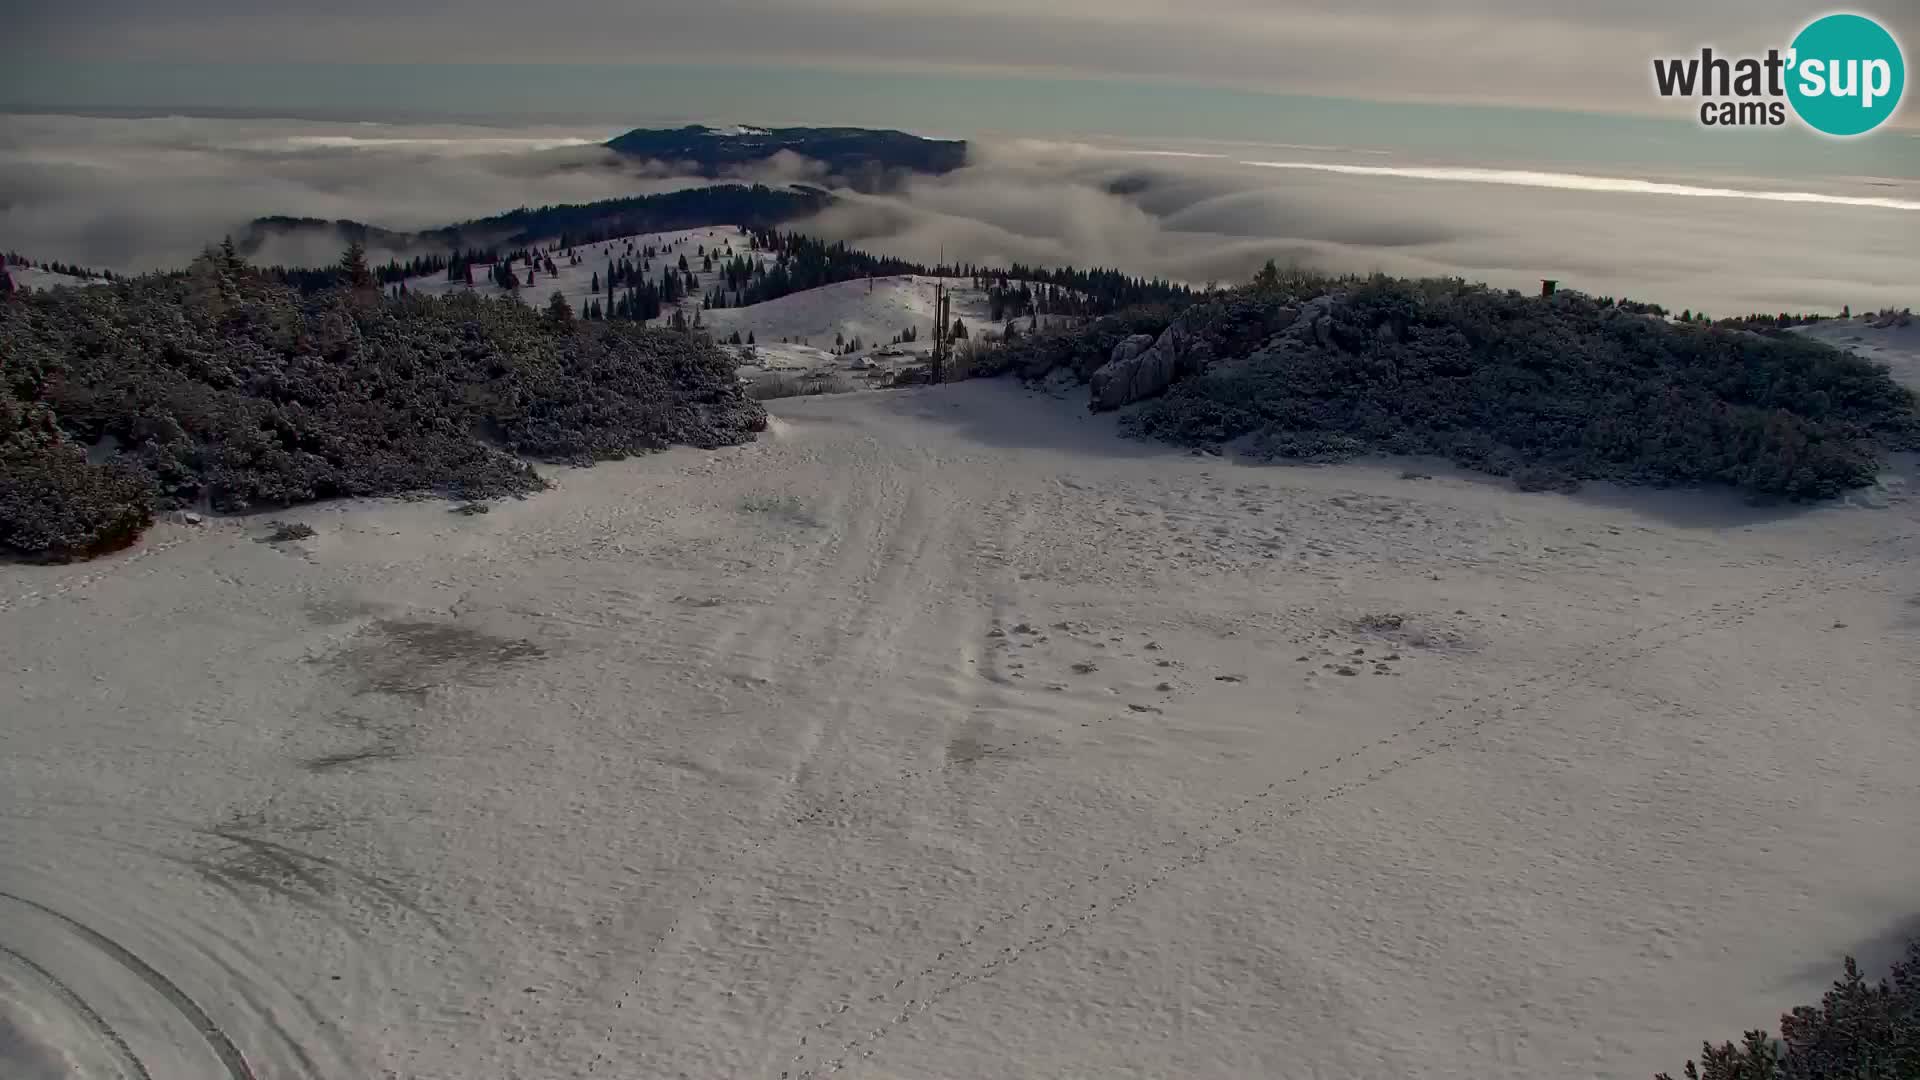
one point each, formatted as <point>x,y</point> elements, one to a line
<point>1589,660</point>
<point>223,1047</point>
<point>894,545</point>
<point>78,1004</point>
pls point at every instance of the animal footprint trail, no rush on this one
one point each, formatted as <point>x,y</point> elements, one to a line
<point>115,567</point>
<point>1206,840</point>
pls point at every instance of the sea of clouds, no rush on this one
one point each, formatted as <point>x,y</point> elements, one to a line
<point>148,193</point>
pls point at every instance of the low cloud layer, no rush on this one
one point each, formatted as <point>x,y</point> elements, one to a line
<point>1200,219</point>
<point>134,195</point>
<point>142,194</point>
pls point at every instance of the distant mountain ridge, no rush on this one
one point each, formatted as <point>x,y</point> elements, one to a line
<point>757,206</point>
<point>864,159</point>
<point>867,159</point>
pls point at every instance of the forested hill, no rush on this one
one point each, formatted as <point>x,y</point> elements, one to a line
<point>805,262</point>
<point>862,158</point>
<point>757,206</point>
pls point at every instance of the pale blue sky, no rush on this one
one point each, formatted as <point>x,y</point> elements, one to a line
<point>615,97</point>
<point>1588,54</point>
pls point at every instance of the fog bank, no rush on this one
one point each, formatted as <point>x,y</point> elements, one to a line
<point>141,194</point>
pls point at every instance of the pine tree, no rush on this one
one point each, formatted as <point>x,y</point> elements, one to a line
<point>558,309</point>
<point>353,265</point>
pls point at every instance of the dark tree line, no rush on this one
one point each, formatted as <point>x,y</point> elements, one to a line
<point>804,262</point>
<point>14,258</point>
<point>1066,290</point>
<point>574,224</point>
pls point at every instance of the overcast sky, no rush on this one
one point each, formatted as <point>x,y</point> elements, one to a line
<point>1575,53</point>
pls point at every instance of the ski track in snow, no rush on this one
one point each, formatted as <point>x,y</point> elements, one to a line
<point>947,733</point>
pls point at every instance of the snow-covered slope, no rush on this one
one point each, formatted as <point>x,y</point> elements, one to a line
<point>33,277</point>
<point>801,330</point>
<point>576,282</point>
<point>948,733</point>
<point>875,311</point>
<point>1893,342</point>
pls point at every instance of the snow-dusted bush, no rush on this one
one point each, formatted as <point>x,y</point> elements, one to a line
<point>1860,1031</point>
<point>220,384</point>
<point>1551,391</point>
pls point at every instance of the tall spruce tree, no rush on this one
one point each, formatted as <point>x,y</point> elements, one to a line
<point>353,265</point>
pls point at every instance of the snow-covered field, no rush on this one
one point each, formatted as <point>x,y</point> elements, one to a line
<point>945,733</point>
<point>798,331</point>
<point>33,277</point>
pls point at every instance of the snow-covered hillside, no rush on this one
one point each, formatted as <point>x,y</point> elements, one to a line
<point>576,282</point>
<point>808,329</point>
<point>874,310</point>
<point>33,277</point>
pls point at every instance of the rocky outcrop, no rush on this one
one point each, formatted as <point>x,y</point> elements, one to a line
<point>1131,347</point>
<point>1138,371</point>
<point>1206,335</point>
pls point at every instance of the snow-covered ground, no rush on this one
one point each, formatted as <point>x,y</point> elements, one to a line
<point>576,282</point>
<point>873,311</point>
<point>1896,346</point>
<point>946,733</point>
<point>804,330</point>
<point>32,277</point>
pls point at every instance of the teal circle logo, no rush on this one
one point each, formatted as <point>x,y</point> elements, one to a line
<point>1846,74</point>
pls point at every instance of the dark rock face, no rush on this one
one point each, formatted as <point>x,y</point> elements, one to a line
<point>865,159</point>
